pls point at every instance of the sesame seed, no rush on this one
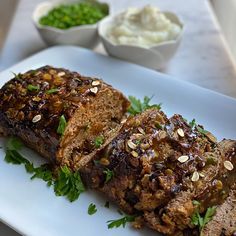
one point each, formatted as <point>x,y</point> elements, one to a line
<point>61,73</point>
<point>131,144</point>
<point>36,118</point>
<point>195,176</point>
<point>180,132</point>
<point>162,134</point>
<point>228,165</point>
<point>94,90</point>
<point>201,175</point>
<point>183,159</point>
<point>134,154</point>
<point>95,83</point>
<point>141,130</point>
<point>123,121</point>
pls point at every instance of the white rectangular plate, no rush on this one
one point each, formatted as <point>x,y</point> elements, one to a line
<point>32,209</point>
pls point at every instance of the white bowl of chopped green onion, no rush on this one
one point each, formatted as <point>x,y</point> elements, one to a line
<point>70,22</point>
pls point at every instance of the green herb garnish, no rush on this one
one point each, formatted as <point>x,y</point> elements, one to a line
<point>75,14</point>
<point>196,203</point>
<point>32,88</point>
<point>107,204</point>
<point>137,106</point>
<point>192,123</point>
<point>201,221</point>
<point>92,209</point>
<point>109,175</point>
<point>68,184</point>
<point>17,76</point>
<point>201,130</point>
<point>120,222</point>
<point>62,125</point>
<point>53,90</point>
<point>99,140</point>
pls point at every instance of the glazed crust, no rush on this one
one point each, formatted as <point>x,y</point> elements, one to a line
<point>152,181</point>
<point>32,103</point>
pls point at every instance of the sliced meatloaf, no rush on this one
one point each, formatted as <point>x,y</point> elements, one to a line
<point>37,105</point>
<point>224,221</point>
<point>159,166</point>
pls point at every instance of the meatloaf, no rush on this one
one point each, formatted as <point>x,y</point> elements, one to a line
<point>64,116</point>
<point>159,167</point>
<point>224,221</point>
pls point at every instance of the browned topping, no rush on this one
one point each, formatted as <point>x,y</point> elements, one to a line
<point>211,137</point>
<point>104,161</point>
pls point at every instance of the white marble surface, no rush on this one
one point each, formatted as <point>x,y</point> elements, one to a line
<point>201,59</point>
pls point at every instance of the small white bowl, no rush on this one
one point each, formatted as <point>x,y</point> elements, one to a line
<point>155,57</point>
<point>84,36</point>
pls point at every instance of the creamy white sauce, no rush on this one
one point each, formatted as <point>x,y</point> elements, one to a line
<point>144,27</point>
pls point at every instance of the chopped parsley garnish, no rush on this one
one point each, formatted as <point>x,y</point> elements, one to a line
<point>196,203</point>
<point>92,209</point>
<point>192,123</point>
<point>107,204</point>
<point>53,90</point>
<point>66,183</point>
<point>201,221</point>
<point>99,140</point>
<point>201,130</point>
<point>109,175</point>
<point>17,76</point>
<point>32,88</point>
<point>62,125</point>
<point>120,222</point>
<point>137,106</point>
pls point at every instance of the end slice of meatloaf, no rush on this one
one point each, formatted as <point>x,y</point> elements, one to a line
<point>224,221</point>
<point>159,167</point>
<point>34,104</point>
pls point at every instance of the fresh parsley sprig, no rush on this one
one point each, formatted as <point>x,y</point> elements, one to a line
<point>109,175</point>
<point>99,140</point>
<point>68,184</point>
<point>65,183</point>
<point>193,124</point>
<point>201,221</point>
<point>137,106</point>
<point>120,222</point>
<point>62,125</point>
<point>53,90</point>
<point>32,88</point>
<point>92,209</point>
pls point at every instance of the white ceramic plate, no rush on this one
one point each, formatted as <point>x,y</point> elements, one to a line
<point>32,209</point>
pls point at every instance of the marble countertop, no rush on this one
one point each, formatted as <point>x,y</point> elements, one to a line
<point>201,59</point>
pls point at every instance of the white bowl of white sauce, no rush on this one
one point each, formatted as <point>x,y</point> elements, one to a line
<point>145,36</point>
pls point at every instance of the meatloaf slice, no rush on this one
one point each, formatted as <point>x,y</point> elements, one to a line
<point>34,104</point>
<point>224,221</point>
<point>159,167</point>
